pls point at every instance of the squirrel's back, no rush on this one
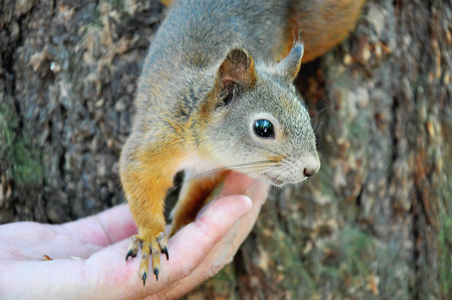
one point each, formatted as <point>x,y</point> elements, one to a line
<point>197,34</point>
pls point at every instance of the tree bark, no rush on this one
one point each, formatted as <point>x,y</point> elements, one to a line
<point>376,222</point>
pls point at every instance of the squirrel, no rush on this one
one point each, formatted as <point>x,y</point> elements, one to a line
<point>216,94</point>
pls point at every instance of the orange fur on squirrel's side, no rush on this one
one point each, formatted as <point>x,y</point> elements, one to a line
<point>145,185</point>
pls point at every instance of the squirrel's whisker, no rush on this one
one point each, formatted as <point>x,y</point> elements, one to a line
<point>269,150</point>
<point>216,185</point>
<point>281,148</point>
<point>266,165</point>
<point>254,182</point>
<point>322,110</point>
<point>318,105</point>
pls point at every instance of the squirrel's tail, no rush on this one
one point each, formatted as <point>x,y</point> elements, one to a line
<point>321,24</point>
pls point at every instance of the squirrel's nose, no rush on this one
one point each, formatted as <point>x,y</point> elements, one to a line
<point>312,165</point>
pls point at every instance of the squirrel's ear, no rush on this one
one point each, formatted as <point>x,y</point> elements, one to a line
<point>237,68</point>
<point>290,65</point>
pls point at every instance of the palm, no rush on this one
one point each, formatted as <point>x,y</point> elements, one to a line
<point>31,241</point>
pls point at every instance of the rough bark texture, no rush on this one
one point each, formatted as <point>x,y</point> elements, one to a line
<point>376,222</point>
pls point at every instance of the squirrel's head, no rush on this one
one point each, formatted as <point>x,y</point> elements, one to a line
<point>255,121</point>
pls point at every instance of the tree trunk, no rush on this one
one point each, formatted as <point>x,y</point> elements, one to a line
<point>376,222</point>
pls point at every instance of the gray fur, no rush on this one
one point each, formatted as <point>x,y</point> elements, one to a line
<point>180,73</point>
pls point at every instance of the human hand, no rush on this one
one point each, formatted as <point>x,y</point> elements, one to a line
<point>197,252</point>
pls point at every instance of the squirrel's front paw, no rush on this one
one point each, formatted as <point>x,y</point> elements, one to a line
<point>149,243</point>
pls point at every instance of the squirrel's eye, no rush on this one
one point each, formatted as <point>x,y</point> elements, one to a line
<point>264,128</point>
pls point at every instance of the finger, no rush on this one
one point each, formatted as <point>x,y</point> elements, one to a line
<point>198,238</point>
<point>256,191</point>
<point>224,250</point>
<point>213,262</point>
<point>103,229</point>
<point>236,183</point>
<point>187,248</point>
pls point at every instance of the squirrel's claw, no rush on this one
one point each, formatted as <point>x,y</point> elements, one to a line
<point>130,253</point>
<point>144,278</point>
<point>135,243</point>
<point>155,250</point>
<point>165,250</point>
<point>156,272</point>
<point>161,240</point>
<point>154,246</point>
